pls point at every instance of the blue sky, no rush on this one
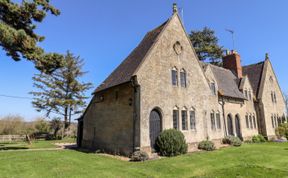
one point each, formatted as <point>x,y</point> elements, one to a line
<point>103,33</point>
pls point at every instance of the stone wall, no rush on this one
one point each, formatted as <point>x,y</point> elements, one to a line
<point>157,91</point>
<point>268,108</point>
<point>108,122</point>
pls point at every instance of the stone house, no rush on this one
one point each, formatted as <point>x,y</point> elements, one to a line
<point>162,85</point>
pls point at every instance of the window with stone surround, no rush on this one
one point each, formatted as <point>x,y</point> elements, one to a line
<point>247,121</point>
<point>275,121</point>
<point>176,118</point>
<point>192,119</point>
<point>183,78</point>
<point>250,95</point>
<point>272,120</point>
<point>213,124</point>
<point>174,73</point>
<point>246,93</point>
<point>251,122</point>
<point>254,122</point>
<point>213,88</point>
<point>218,120</point>
<point>184,119</point>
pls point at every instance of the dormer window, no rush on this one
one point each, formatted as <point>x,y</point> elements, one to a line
<point>250,95</point>
<point>213,88</point>
<point>246,94</point>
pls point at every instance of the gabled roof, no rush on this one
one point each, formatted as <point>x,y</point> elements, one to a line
<point>126,69</point>
<point>254,73</point>
<point>227,82</point>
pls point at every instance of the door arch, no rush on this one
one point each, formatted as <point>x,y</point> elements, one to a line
<point>238,126</point>
<point>155,124</point>
<point>230,125</point>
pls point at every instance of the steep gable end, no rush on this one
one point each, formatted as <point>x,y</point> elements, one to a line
<point>254,73</point>
<point>126,69</point>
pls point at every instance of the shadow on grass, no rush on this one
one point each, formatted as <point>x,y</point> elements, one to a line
<point>12,148</point>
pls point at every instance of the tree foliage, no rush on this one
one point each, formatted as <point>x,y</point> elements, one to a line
<point>17,32</point>
<point>206,45</point>
<point>56,125</point>
<point>41,125</point>
<point>61,92</point>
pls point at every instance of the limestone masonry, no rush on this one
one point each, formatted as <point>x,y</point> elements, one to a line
<point>162,85</point>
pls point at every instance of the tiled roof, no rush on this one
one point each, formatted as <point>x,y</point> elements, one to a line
<point>227,82</point>
<point>254,73</point>
<point>126,69</point>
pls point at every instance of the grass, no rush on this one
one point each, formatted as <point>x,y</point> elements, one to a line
<point>251,160</point>
<point>35,144</point>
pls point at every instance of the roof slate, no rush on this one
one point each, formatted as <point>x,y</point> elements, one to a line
<point>254,73</point>
<point>126,69</point>
<point>227,82</point>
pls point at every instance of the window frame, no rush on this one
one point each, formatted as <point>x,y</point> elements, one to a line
<point>183,78</point>
<point>247,121</point>
<point>213,88</point>
<point>218,120</point>
<point>174,77</point>
<point>254,121</point>
<point>192,116</point>
<point>213,121</point>
<point>175,113</point>
<point>184,120</point>
<point>251,121</point>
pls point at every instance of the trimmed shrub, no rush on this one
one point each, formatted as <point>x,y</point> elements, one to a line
<point>138,156</point>
<point>231,140</point>
<point>282,131</point>
<point>171,143</point>
<point>206,145</point>
<point>258,139</point>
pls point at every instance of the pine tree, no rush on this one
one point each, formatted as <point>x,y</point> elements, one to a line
<point>61,92</point>
<point>206,45</point>
<point>17,32</point>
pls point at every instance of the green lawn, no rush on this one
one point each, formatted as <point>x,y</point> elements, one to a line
<point>35,144</point>
<point>251,160</point>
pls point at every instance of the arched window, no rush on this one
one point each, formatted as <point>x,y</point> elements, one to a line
<point>254,121</point>
<point>247,121</point>
<point>272,120</point>
<point>184,119</point>
<point>250,121</point>
<point>250,95</point>
<point>174,73</point>
<point>275,121</point>
<point>218,120</point>
<point>213,123</point>
<point>246,93</point>
<point>176,118</point>
<point>192,119</point>
<point>183,78</point>
<point>213,88</point>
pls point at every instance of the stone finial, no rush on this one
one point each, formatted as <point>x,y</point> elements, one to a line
<point>175,9</point>
<point>266,56</point>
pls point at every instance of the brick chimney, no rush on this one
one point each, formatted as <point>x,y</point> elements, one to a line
<point>232,61</point>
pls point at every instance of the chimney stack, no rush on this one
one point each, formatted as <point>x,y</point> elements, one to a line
<point>232,61</point>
